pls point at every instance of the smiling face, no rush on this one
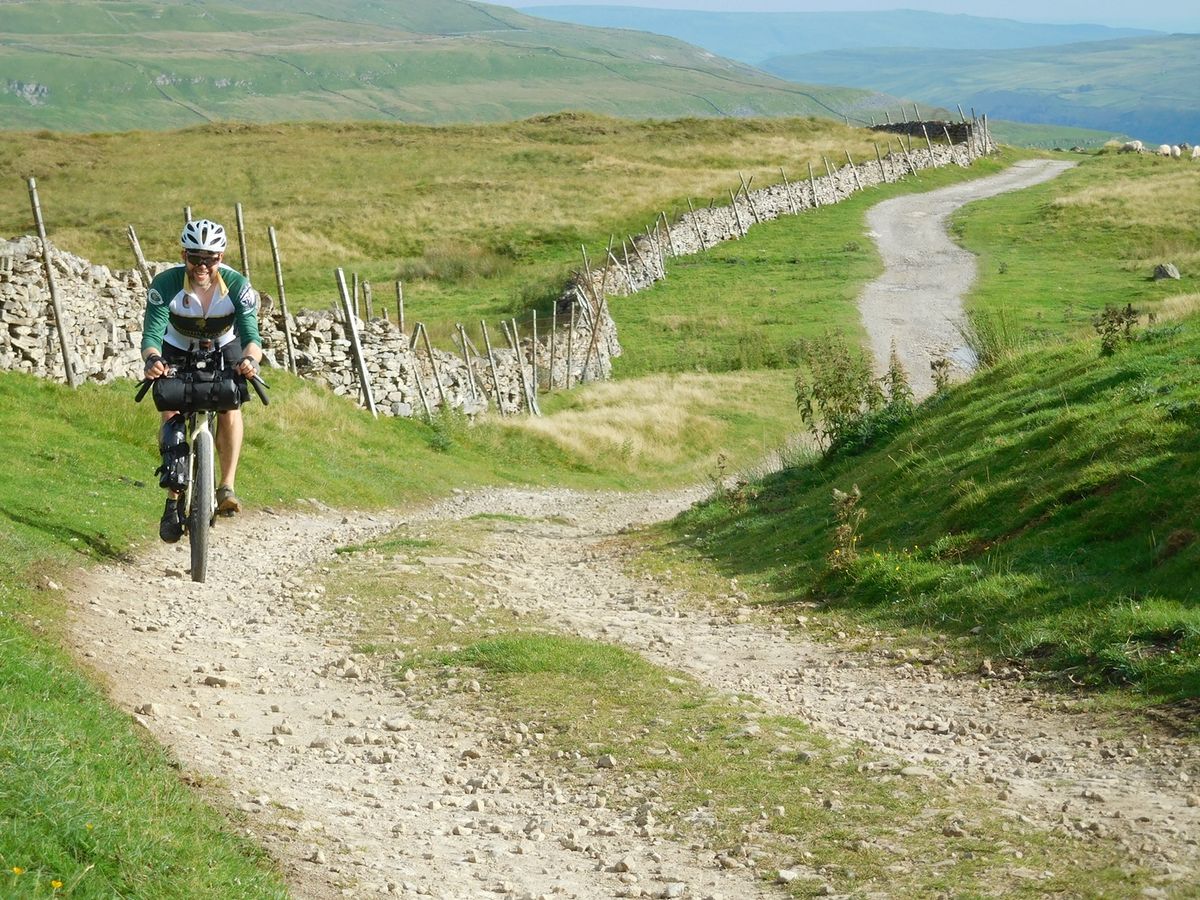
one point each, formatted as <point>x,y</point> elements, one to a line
<point>201,265</point>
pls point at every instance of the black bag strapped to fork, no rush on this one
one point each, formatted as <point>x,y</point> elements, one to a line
<point>199,391</point>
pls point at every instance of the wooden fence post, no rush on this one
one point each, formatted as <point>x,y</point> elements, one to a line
<point>879,158</point>
<point>359,361</point>
<point>433,365</point>
<point>487,342</point>
<point>812,183</point>
<point>553,339</point>
<point>658,246</point>
<point>670,239</point>
<point>52,284</point>
<point>400,305</point>
<point>961,116</point>
<point>520,365</point>
<point>571,345</point>
<point>908,158</point>
<point>788,186</point>
<point>138,258</point>
<point>368,300</point>
<point>421,388</point>
<point>737,215</point>
<point>854,170</point>
<point>241,230</point>
<point>287,327</point>
<point>533,349</point>
<point>833,186</point>
<point>637,251</point>
<point>187,214</point>
<point>462,338</point>
<point>749,199</point>
<point>696,225</point>
<point>928,142</point>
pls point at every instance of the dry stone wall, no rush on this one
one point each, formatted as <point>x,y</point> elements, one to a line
<point>103,309</point>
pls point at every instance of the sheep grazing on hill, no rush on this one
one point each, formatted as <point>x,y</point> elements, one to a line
<point>1132,147</point>
<point>1164,149</point>
<point>1176,153</point>
<point>1196,152</point>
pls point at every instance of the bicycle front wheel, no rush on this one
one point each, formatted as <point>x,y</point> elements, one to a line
<point>200,516</point>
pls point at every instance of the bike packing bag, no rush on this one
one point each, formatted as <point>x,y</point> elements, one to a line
<point>198,392</point>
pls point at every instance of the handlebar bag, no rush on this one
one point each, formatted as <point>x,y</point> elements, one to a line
<point>190,392</point>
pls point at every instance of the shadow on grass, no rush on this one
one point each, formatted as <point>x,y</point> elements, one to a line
<point>66,535</point>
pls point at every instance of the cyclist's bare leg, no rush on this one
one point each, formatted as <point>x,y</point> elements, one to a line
<point>229,444</point>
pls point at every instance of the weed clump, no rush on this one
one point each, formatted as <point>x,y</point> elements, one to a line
<point>1115,327</point>
<point>848,516</point>
<point>844,405</point>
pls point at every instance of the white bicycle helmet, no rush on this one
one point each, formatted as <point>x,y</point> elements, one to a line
<point>201,234</point>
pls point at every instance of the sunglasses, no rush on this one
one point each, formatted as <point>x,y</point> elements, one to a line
<point>197,259</point>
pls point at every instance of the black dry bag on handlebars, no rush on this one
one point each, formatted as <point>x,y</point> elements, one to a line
<point>198,391</point>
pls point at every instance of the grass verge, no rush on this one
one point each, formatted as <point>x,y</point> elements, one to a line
<point>1044,512</point>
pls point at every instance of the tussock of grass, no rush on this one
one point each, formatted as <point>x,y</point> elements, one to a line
<point>644,423</point>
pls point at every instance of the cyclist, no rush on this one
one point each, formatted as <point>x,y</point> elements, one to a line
<point>200,304</point>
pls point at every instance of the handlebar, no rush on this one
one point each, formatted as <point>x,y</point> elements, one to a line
<point>260,388</point>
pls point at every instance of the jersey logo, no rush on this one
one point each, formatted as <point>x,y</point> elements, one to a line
<point>155,298</point>
<point>246,298</point>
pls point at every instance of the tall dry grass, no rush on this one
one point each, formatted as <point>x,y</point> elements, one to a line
<point>662,420</point>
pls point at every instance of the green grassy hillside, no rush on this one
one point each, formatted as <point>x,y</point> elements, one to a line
<point>754,37</point>
<point>1045,512</point>
<point>1143,86</point>
<point>477,220</point>
<point>85,65</point>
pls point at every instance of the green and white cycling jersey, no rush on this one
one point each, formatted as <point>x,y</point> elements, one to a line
<point>175,316</point>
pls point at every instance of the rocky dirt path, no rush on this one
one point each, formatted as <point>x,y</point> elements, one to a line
<point>917,302</point>
<point>363,785</point>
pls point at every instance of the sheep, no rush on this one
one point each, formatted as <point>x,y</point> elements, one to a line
<point>1176,152</point>
<point>1164,149</point>
<point>1196,152</point>
<point>1132,147</point>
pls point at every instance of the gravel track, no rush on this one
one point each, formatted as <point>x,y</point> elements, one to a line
<point>917,301</point>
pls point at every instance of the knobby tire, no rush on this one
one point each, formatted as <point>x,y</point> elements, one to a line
<point>200,516</point>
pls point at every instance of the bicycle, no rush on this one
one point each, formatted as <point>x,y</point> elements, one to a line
<point>197,390</point>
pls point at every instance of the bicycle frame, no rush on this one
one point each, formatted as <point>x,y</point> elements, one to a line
<point>199,498</point>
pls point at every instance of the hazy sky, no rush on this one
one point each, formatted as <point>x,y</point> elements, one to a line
<point>1167,15</point>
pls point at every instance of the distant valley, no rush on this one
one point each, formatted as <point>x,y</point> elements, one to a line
<point>1115,81</point>
<point>86,65</point>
